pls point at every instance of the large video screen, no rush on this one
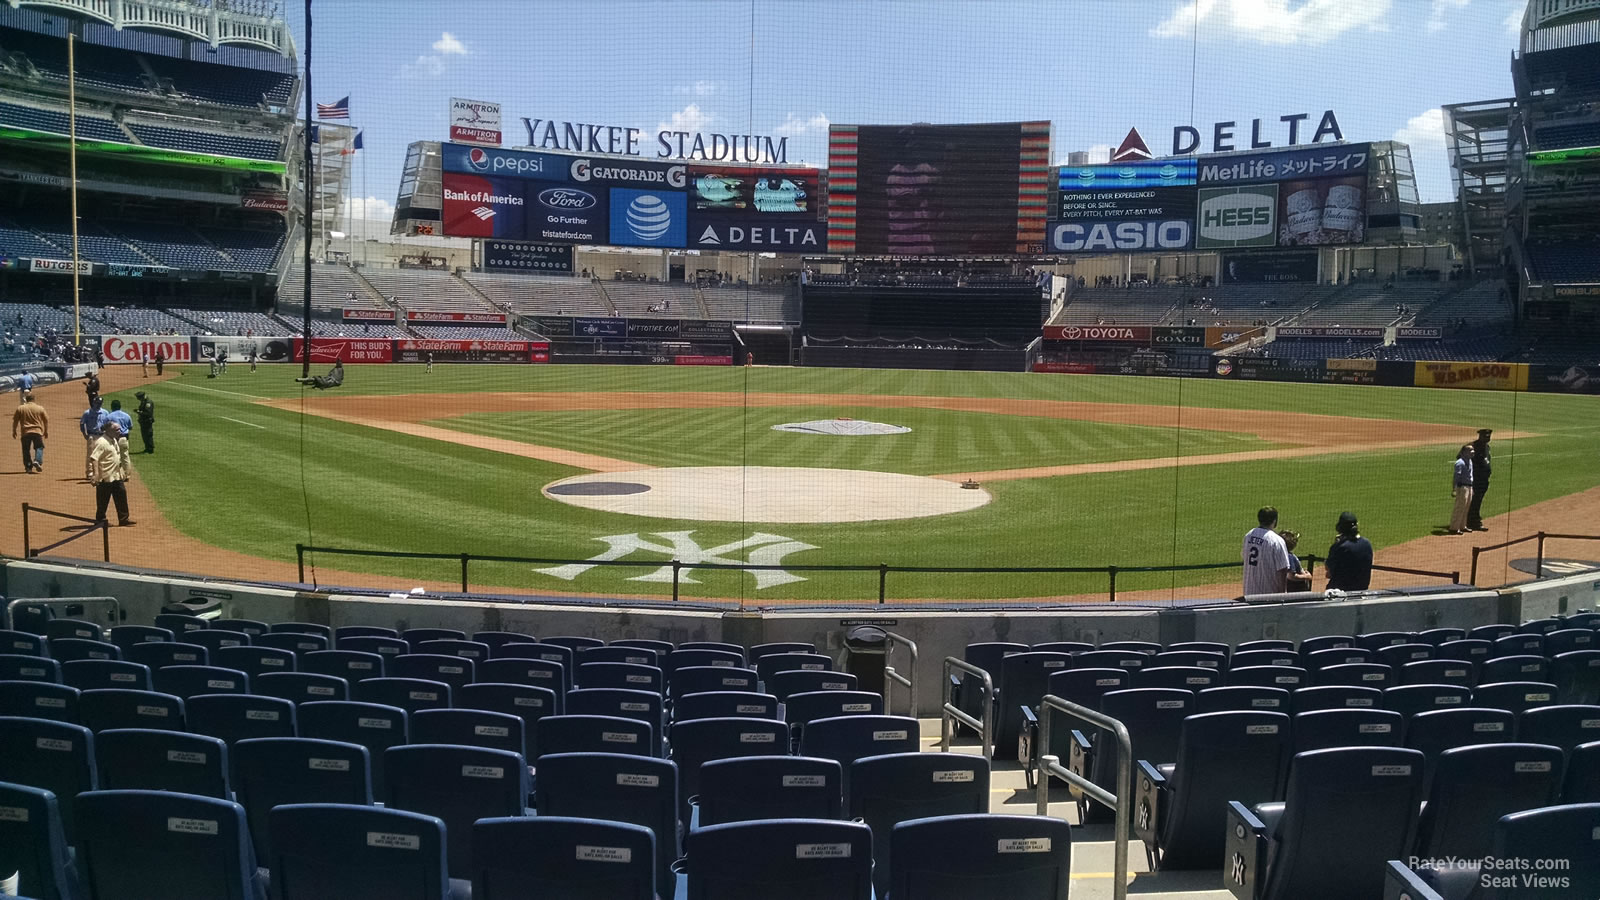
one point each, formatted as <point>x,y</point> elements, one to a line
<point>936,190</point>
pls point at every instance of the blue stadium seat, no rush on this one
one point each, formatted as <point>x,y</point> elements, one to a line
<point>271,772</point>
<point>1325,729</point>
<point>498,639</point>
<point>1576,674</point>
<point>323,631</point>
<point>1514,668</point>
<point>1517,645</point>
<point>725,704</point>
<point>1126,660</point>
<point>782,859</point>
<point>699,741</point>
<point>332,851</point>
<point>452,670</point>
<point>297,642</point>
<point>541,673</point>
<point>39,700</point>
<point>21,643</point>
<point>1310,699</point>
<point>1445,729</point>
<point>155,845</point>
<point>351,665</point>
<point>1289,678</point>
<point>1410,699</point>
<point>301,687</point>
<point>709,679</point>
<point>621,675</point>
<point>1186,678</point>
<point>1264,644</point>
<point>452,647</point>
<point>1324,642</point>
<point>574,642</point>
<point>65,650</point>
<point>1083,686</point>
<point>1179,811</point>
<point>342,632</point>
<point>1473,650</point>
<point>661,648</point>
<point>386,647</point>
<point>1376,640</point>
<point>147,760</point>
<point>1582,781</point>
<point>1570,832</point>
<point>256,661</point>
<point>1440,671</point>
<point>184,682</point>
<point>1241,699</point>
<point>846,739</point>
<point>706,658</point>
<point>1355,675</point>
<point>370,725</point>
<point>959,857</point>
<point>614,653</point>
<point>73,629</point>
<point>786,684</point>
<point>549,653</point>
<point>236,717</point>
<point>1215,660</point>
<point>887,790</point>
<point>106,708</point>
<point>1264,657</point>
<point>735,649</point>
<point>50,756</point>
<point>802,708</point>
<point>415,636</point>
<point>554,856</point>
<point>748,788</point>
<point>1490,632</point>
<point>160,654</point>
<point>409,694</point>
<point>1154,719</point>
<point>1567,640</point>
<point>470,728</point>
<point>1474,786</point>
<point>594,734</point>
<point>1071,647</point>
<point>1397,655</point>
<point>127,636</point>
<point>33,846</point>
<point>180,624</point>
<point>459,785</point>
<point>90,674</point>
<point>773,663</point>
<point>1023,681</point>
<point>1564,726</point>
<point>248,626</point>
<point>617,788</point>
<point>214,639</point>
<point>759,650</point>
<point>986,655</point>
<point>1515,696</point>
<point>1346,812</point>
<point>530,704</point>
<point>18,667</point>
<point>646,706</point>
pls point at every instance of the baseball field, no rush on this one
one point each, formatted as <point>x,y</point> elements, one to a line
<point>649,464</point>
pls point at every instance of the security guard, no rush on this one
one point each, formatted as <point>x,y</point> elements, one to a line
<point>147,421</point>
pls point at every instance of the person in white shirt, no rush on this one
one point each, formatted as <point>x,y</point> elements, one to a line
<point>1266,558</point>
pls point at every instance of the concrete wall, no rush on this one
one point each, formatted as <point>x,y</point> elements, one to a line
<point>937,633</point>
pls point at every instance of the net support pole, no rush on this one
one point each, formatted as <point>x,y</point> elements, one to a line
<point>306,175</point>
<point>72,165</point>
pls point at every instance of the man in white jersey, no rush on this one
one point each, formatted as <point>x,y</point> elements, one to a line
<point>1266,558</point>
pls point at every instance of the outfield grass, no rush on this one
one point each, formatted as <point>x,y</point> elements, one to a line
<point>222,480</point>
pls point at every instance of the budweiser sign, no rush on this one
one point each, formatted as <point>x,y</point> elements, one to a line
<point>265,200</point>
<point>1120,333</point>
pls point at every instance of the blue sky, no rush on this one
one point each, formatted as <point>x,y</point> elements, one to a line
<point>1092,67</point>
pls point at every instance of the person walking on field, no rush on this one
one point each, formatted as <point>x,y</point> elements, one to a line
<point>32,423</point>
<point>1349,563</point>
<point>89,424</point>
<point>1266,558</point>
<point>144,362</point>
<point>147,422</point>
<point>109,472</point>
<point>1480,479</point>
<point>1461,489</point>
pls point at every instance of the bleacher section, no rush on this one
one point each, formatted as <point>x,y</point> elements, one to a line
<point>752,304</point>
<point>121,320</point>
<point>333,287</point>
<point>1488,347</point>
<point>199,141</point>
<point>1317,348</point>
<point>1369,303</point>
<point>1565,261</point>
<point>1480,304</point>
<point>460,333</point>
<point>235,322</point>
<point>90,127</point>
<point>421,289</point>
<point>541,295</point>
<point>140,243</point>
<point>19,242</point>
<point>1122,306</point>
<point>172,245</point>
<point>325,328</point>
<point>635,298</point>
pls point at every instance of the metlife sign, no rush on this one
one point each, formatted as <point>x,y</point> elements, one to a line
<point>1237,217</point>
<point>1282,165</point>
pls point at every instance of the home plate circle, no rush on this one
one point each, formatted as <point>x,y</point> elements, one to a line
<point>766,494</point>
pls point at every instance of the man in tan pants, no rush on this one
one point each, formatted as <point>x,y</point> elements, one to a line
<point>32,424</point>
<point>1461,489</point>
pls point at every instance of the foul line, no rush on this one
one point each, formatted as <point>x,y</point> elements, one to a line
<point>251,424</point>
<point>196,387</point>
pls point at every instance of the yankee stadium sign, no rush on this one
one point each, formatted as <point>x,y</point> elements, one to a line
<point>580,137</point>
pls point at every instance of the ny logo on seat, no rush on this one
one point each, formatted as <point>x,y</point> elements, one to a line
<point>1236,868</point>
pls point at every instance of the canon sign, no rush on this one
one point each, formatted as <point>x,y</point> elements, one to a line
<point>1085,237</point>
<point>131,348</point>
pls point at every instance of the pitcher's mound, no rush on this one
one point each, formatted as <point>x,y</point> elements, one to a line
<point>765,494</point>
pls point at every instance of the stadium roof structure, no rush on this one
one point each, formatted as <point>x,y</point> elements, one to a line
<point>256,23</point>
<point>1554,24</point>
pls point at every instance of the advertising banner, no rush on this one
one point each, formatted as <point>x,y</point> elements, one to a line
<point>128,348</point>
<point>1271,369</point>
<point>588,327</point>
<point>455,318</point>
<point>1130,175</point>
<point>1419,334</point>
<point>130,270</point>
<point>273,200</point>
<point>550,326</point>
<point>1297,266</point>
<point>560,211</point>
<point>328,350</point>
<point>1475,376</point>
<point>702,330</point>
<point>1578,290</point>
<point>1177,337</point>
<point>1119,333</point>
<point>1227,337</point>
<point>777,234</point>
<point>475,206</point>
<point>61,266</point>
<point>1123,220</point>
<point>472,351</point>
<point>465,160</point>
<point>740,208</point>
<point>521,256</point>
<point>1066,368</point>
<point>1322,211</point>
<point>1237,217</point>
<point>475,122</point>
<point>367,314</point>
<point>649,218</point>
<point>266,349</point>
<point>1284,165</point>
<point>702,360</point>
<point>1299,332</point>
<point>655,329</point>
<point>1564,379</point>
<point>40,140</point>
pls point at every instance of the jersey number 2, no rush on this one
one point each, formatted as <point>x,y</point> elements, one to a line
<point>1255,553</point>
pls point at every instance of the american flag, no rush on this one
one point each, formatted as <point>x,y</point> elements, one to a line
<point>340,110</point>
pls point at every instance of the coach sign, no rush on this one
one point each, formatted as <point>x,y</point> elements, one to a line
<point>1185,337</point>
<point>1136,334</point>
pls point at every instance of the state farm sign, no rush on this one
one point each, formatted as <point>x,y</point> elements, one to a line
<point>131,348</point>
<point>1119,333</point>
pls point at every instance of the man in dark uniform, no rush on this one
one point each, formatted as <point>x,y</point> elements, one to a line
<point>147,421</point>
<point>91,385</point>
<point>1480,479</point>
<point>161,359</point>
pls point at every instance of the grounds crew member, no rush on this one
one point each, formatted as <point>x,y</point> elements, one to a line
<point>161,360</point>
<point>89,424</point>
<point>147,422</point>
<point>334,378</point>
<point>91,385</point>
<point>33,423</point>
<point>109,471</point>
<point>1480,479</point>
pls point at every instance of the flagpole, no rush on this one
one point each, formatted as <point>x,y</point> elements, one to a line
<point>72,162</point>
<point>349,208</point>
<point>363,160</point>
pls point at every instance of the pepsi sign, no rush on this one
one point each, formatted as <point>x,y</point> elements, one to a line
<point>466,160</point>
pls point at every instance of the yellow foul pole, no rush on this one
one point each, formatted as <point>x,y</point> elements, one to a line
<point>72,157</point>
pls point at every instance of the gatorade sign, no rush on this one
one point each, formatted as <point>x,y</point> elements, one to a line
<point>1237,217</point>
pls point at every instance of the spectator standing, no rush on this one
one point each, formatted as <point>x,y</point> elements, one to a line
<point>1298,579</point>
<point>109,471</point>
<point>1266,558</point>
<point>91,385</point>
<point>161,359</point>
<point>1480,479</point>
<point>90,424</point>
<point>1350,558</point>
<point>1461,490</point>
<point>32,424</point>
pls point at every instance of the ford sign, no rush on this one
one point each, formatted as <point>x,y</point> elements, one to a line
<point>566,198</point>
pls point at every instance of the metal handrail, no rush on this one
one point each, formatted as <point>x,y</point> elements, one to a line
<point>116,607</point>
<point>948,710</point>
<point>1049,765</point>
<point>893,677</point>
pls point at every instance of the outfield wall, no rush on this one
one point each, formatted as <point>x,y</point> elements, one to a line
<point>938,632</point>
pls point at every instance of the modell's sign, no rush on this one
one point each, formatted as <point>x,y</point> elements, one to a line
<point>1125,333</point>
<point>474,122</point>
<point>264,200</point>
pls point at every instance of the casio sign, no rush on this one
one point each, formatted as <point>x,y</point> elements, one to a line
<point>1072,237</point>
<point>566,198</point>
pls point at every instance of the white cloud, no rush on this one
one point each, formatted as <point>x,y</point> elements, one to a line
<point>449,44</point>
<point>1430,160</point>
<point>1277,21</point>
<point>372,208</point>
<point>426,66</point>
<point>691,118</point>
<point>698,89</point>
<point>796,125</point>
<point>1441,10</point>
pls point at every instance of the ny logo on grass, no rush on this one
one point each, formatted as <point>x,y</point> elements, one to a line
<point>765,550</point>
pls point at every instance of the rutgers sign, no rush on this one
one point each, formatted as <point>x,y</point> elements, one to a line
<point>1118,333</point>
<point>131,348</point>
